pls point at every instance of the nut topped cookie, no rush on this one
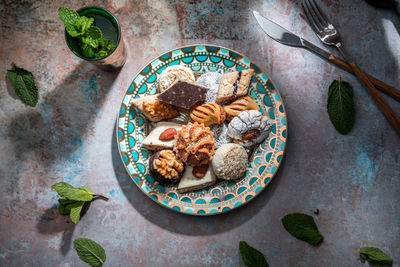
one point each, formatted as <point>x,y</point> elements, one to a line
<point>166,167</point>
<point>248,128</point>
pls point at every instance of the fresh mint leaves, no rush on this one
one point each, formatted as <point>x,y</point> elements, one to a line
<point>73,199</point>
<point>90,252</point>
<point>341,106</point>
<point>303,227</point>
<point>24,86</point>
<point>375,256</point>
<point>90,36</point>
<point>251,256</point>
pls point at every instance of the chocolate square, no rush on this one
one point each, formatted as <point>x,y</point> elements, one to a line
<point>183,94</point>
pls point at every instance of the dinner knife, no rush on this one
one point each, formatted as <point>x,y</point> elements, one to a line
<point>283,36</point>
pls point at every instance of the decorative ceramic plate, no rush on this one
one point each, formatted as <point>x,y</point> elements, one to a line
<point>133,126</point>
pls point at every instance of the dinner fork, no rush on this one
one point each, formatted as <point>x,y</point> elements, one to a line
<point>329,35</point>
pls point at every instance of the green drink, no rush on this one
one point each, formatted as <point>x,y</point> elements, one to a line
<point>111,34</point>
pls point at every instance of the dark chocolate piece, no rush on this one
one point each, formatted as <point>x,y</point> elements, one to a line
<point>183,94</point>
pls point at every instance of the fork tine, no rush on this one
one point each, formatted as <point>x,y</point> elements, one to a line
<point>314,25</point>
<point>322,14</point>
<point>314,15</point>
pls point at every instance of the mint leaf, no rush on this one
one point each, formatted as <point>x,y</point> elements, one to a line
<point>303,227</point>
<point>341,106</point>
<point>90,41</point>
<point>67,191</point>
<point>94,32</point>
<point>88,51</point>
<point>86,189</point>
<point>24,86</point>
<point>251,256</point>
<point>68,15</point>
<point>72,30</point>
<point>76,209</point>
<point>376,256</point>
<point>63,207</point>
<point>90,252</point>
<point>84,23</point>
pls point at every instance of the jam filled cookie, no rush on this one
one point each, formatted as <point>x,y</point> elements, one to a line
<point>173,73</point>
<point>249,127</point>
<point>166,167</point>
<point>234,85</point>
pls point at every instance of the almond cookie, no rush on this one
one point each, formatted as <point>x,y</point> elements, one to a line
<point>153,140</point>
<point>234,85</point>
<point>242,104</point>
<point>166,167</point>
<point>208,114</point>
<point>249,127</point>
<point>172,73</point>
<point>230,161</point>
<point>154,109</point>
<point>194,144</point>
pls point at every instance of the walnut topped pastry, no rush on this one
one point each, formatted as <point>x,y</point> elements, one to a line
<point>166,167</point>
<point>208,114</point>
<point>154,109</point>
<point>234,85</point>
<point>194,144</point>
<point>249,127</point>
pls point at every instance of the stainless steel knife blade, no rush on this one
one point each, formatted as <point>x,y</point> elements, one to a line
<point>283,36</point>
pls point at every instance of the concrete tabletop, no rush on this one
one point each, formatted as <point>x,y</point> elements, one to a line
<point>353,180</point>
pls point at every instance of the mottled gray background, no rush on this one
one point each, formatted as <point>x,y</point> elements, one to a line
<point>353,180</point>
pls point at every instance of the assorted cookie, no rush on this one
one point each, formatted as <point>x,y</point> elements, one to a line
<point>191,180</point>
<point>208,114</point>
<point>173,73</point>
<point>183,94</point>
<point>166,167</point>
<point>234,84</point>
<point>162,136</point>
<point>194,144</point>
<point>249,127</point>
<point>230,161</point>
<point>154,109</point>
<point>187,152</point>
<point>237,106</point>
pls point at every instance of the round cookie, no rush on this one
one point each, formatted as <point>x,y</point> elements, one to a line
<point>172,73</point>
<point>230,161</point>
<point>165,167</point>
<point>249,127</point>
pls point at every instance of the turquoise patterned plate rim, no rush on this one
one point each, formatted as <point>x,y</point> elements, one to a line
<point>132,127</point>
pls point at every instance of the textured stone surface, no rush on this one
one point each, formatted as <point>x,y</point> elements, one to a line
<point>353,180</point>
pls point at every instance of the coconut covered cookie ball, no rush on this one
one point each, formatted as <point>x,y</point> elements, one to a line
<point>230,161</point>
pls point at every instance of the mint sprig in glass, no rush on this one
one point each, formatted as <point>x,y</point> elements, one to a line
<point>93,34</point>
